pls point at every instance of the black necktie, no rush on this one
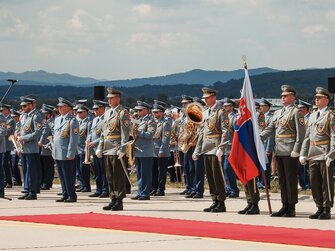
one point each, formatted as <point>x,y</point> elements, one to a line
<point>318,115</point>
<point>61,120</point>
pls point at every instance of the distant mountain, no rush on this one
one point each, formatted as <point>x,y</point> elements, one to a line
<point>265,85</point>
<point>43,77</point>
<point>197,76</point>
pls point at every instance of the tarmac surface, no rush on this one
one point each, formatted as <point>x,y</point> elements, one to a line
<point>32,236</point>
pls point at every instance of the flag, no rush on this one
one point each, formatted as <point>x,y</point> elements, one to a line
<point>247,156</point>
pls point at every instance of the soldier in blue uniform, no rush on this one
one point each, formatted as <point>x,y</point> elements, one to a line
<point>112,147</point>
<point>264,118</point>
<point>232,190</point>
<point>3,132</point>
<point>17,179</point>
<point>65,142</point>
<point>144,150</point>
<point>92,140</point>
<point>84,129</point>
<point>188,163</point>
<point>5,110</point>
<point>303,169</point>
<point>162,152</point>
<point>29,134</point>
<point>47,161</point>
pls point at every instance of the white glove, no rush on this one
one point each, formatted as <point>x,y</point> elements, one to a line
<point>195,156</point>
<point>120,154</point>
<point>328,161</point>
<point>303,160</point>
<point>98,153</point>
<point>219,153</point>
<point>294,154</point>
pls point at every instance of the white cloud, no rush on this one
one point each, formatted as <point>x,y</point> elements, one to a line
<point>143,9</point>
<point>315,30</point>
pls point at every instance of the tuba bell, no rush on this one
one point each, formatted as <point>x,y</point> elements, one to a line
<point>194,118</point>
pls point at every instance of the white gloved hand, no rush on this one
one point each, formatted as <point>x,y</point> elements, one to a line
<point>98,153</point>
<point>219,153</point>
<point>303,160</point>
<point>328,161</point>
<point>120,154</point>
<point>294,154</point>
<point>195,156</point>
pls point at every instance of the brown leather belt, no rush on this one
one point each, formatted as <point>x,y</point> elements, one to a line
<point>319,142</point>
<point>212,136</point>
<point>286,136</point>
<point>113,137</point>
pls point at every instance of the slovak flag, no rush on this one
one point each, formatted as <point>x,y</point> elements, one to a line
<point>247,156</point>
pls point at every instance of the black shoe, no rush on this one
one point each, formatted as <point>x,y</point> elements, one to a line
<point>135,198</point>
<point>253,210</point>
<point>22,197</point>
<point>86,190</point>
<point>290,211</point>
<point>70,200</point>
<point>152,192</point>
<point>209,209</point>
<point>233,195</point>
<point>188,192</point>
<point>31,197</point>
<point>77,186</point>
<point>184,192</point>
<point>17,184</point>
<point>62,199</point>
<point>103,195</point>
<point>24,192</point>
<point>191,195</point>
<point>118,206</point>
<point>317,213</point>
<point>94,195</point>
<point>325,215</point>
<point>9,185</point>
<point>2,194</point>
<point>45,188</point>
<point>110,205</point>
<point>198,196</point>
<point>220,208</point>
<point>159,193</point>
<point>245,209</point>
<point>79,189</point>
<point>281,211</point>
<point>59,194</point>
<point>144,198</point>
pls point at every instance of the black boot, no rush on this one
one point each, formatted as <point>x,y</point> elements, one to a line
<point>209,209</point>
<point>118,206</point>
<point>325,215</point>
<point>110,205</point>
<point>220,208</point>
<point>245,209</point>
<point>253,210</point>
<point>281,211</point>
<point>290,211</point>
<point>317,213</point>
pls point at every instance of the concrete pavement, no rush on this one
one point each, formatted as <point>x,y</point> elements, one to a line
<point>16,235</point>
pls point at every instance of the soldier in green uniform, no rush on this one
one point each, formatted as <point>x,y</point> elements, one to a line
<point>319,148</point>
<point>114,135</point>
<point>212,143</point>
<point>289,127</point>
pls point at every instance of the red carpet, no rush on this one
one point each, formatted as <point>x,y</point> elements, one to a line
<point>292,236</point>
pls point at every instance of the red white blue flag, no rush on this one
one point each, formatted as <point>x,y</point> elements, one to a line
<point>247,156</point>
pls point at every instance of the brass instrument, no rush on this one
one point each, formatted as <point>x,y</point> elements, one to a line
<point>17,144</point>
<point>87,160</point>
<point>176,157</point>
<point>194,118</point>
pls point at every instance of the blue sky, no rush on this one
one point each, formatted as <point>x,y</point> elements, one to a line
<point>109,39</point>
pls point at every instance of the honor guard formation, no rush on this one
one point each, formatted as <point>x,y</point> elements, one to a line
<point>189,145</point>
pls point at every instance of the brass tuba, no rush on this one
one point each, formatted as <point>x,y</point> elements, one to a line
<point>194,118</point>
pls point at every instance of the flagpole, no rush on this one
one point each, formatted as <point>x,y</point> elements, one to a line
<point>244,59</point>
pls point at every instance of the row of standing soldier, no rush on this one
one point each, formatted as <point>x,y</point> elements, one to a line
<point>108,136</point>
